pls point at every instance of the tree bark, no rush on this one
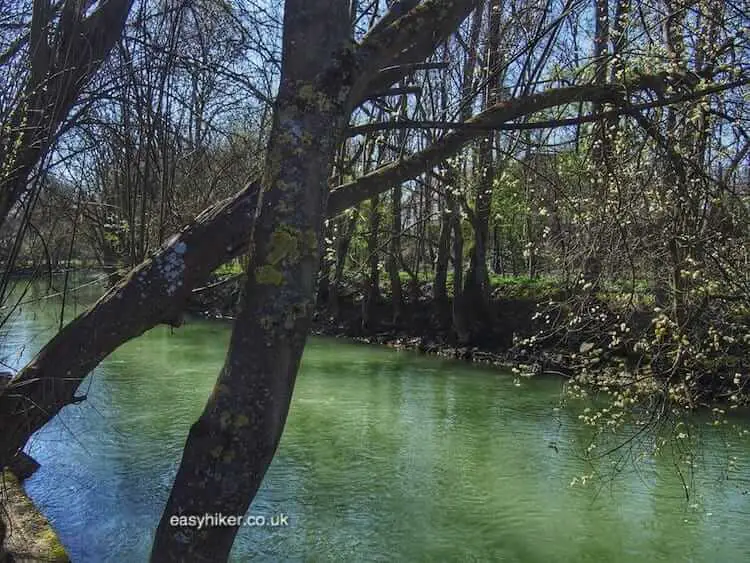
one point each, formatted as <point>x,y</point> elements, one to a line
<point>372,285</point>
<point>477,286</point>
<point>460,312</point>
<point>394,255</point>
<point>231,445</point>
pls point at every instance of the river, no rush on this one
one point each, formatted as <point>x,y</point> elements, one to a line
<point>386,456</point>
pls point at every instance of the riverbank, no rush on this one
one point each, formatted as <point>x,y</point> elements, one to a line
<point>533,328</point>
<point>421,330</point>
<point>421,326</point>
<point>30,537</point>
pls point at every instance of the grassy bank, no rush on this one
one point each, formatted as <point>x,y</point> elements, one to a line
<point>29,535</point>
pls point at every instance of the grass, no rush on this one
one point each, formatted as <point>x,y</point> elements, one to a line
<point>31,538</point>
<point>502,287</point>
<point>524,287</point>
<point>229,269</point>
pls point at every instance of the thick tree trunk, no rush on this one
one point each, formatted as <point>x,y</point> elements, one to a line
<point>343,242</point>
<point>372,284</point>
<point>394,255</point>
<point>440,292</point>
<point>459,311</point>
<point>231,445</point>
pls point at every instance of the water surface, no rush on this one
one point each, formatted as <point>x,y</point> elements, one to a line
<point>387,456</point>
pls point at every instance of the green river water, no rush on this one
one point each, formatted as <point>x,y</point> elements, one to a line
<point>386,456</point>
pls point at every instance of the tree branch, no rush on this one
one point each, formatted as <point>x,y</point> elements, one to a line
<point>157,291</point>
<point>403,91</point>
<point>484,126</point>
<point>496,117</point>
<point>405,41</point>
<point>54,83</point>
<point>389,175</point>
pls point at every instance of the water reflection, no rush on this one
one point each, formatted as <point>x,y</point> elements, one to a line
<point>387,457</point>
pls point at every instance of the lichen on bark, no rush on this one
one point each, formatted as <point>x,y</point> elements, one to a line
<point>268,275</point>
<point>230,447</point>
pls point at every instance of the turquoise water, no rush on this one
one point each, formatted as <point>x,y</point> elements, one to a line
<point>387,456</point>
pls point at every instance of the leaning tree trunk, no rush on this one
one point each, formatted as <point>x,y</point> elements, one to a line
<point>231,445</point>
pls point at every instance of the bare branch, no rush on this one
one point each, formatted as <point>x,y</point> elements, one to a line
<point>146,297</point>
<point>407,40</point>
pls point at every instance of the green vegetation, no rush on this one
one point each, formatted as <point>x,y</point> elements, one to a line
<point>562,185</point>
<point>30,535</point>
<point>231,268</point>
